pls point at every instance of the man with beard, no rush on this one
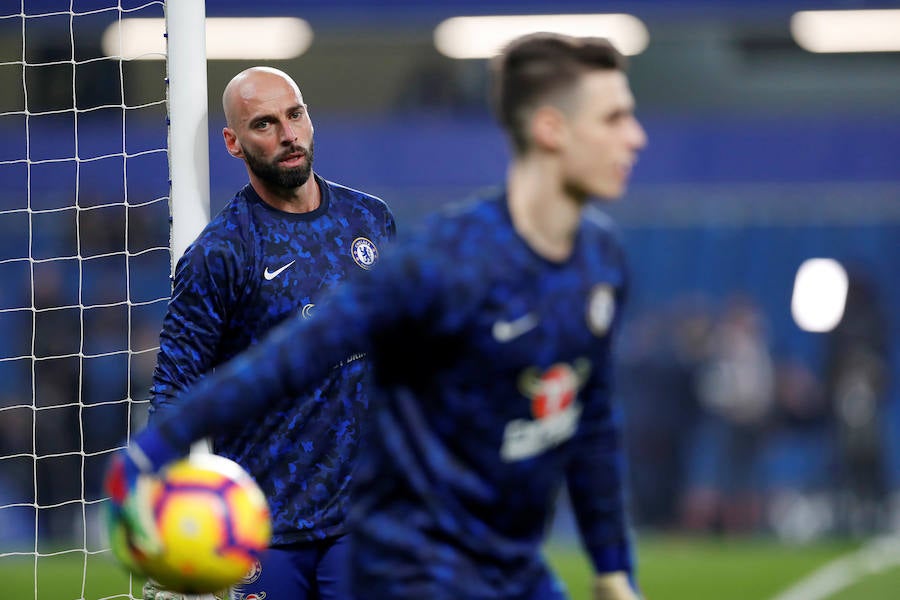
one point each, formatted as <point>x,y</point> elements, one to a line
<point>274,251</point>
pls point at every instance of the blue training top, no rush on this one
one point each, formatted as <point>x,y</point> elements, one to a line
<point>250,268</point>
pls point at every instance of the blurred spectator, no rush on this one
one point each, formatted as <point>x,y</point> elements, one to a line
<point>798,456</point>
<point>856,385</point>
<point>736,393</point>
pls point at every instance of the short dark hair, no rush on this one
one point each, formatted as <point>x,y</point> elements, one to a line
<point>533,67</point>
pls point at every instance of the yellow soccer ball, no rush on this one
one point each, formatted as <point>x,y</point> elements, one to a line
<point>212,522</point>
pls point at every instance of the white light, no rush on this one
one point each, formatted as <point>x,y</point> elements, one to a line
<point>820,295</point>
<point>847,30</point>
<point>267,38</point>
<point>483,37</point>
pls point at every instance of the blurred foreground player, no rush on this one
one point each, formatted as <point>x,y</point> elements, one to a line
<point>490,333</point>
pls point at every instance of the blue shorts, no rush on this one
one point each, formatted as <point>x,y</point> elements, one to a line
<point>321,571</point>
<point>304,571</point>
<point>436,581</point>
<point>548,588</point>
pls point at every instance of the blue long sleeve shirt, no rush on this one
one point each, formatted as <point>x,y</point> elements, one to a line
<point>251,268</point>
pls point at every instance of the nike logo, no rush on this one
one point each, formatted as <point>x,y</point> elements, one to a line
<point>270,275</point>
<point>506,331</point>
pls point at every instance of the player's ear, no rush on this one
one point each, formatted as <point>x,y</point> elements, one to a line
<point>547,126</point>
<point>231,143</point>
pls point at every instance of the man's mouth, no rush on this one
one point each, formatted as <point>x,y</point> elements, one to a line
<point>292,158</point>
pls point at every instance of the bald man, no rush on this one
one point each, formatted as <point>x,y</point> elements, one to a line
<point>279,245</point>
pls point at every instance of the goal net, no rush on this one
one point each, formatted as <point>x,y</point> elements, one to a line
<point>85,263</point>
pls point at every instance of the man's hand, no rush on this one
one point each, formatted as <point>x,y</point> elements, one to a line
<point>131,513</point>
<point>614,586</point>
<point>154,591</point>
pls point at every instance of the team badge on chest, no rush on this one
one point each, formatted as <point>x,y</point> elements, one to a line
<point>601,308</point>
<point>364,252</point>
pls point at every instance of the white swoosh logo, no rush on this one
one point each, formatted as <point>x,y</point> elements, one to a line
<point>506,331</point>
<point>269,275</point>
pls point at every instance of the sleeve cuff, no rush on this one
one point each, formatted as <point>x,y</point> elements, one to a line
<point>616,557</point>
<point>151,451</point>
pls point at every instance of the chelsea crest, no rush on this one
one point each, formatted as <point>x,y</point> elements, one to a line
<point>364,252</point>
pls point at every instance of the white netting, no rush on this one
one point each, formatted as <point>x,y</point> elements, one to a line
<point>84,266</point>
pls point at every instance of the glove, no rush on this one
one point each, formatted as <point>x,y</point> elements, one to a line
<point>614,586</point>
<point>153,591</point>
<point>130,510</point>
<point>129,479</point>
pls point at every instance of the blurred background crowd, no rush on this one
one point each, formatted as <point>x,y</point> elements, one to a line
<point>761,155</point>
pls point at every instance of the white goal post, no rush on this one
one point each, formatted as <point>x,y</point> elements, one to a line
<point>104,173</point>
<point>188,127</point>
<point>188,130</point>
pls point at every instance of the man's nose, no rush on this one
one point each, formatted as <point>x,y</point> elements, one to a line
<point>640,135</point>
<point>287,132</point>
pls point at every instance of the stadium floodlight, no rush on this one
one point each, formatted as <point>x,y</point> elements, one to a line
<point>847,30</point>
<point>820,295</point>
<point>483,37</point>
<point>266,38</point>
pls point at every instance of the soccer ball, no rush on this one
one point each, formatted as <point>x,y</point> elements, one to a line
<point>211,520</point>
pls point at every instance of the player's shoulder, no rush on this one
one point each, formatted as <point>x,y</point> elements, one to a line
<point>452,251</point>
<point>596,223</point>
<point>481,211</point>
<point>595,218</point>
<point>602,242</point>
<point>347,194</point>
<point>227,229</point>
<point>456,238</point>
